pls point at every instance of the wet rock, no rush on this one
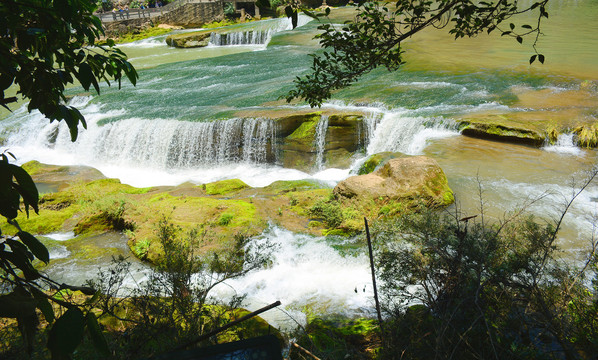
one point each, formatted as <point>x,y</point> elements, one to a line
<point>189,40</point>
<point>417,178</point>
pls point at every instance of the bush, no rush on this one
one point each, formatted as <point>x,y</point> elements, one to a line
<point>484,291</point>
<point>329,211</point>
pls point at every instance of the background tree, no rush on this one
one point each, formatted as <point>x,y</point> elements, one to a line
<point>374,37</point>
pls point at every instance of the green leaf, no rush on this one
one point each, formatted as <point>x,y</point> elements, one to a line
<point>21,262</point>
<point>19,248</point>
<point>66,333</point>
<point>28,190</point>
<point>85,75</point>
<point>96,335</point>
<point>526,26</point>
<point>37,248</point>
<point>532,59</point>
<point>541,58</point>
<point>15,305</point>
<point>520,39</point>
<point>43,304</point>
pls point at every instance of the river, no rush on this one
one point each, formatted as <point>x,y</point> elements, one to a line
<point>134,133</point>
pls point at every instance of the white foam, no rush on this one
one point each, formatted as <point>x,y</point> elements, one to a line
<point>59,252</point>
<point>307,273</point>
<point>408,135</point>
<point>61,236</point>
<point>564,145</point>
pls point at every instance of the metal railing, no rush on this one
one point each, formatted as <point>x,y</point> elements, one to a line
<point>148,13</point>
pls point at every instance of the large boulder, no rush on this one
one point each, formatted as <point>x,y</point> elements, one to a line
<point>417,178</point>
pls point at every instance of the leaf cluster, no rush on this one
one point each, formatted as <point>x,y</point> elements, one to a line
<point>46,45</point>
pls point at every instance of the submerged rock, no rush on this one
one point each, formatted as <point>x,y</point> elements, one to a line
<point>417,178</point>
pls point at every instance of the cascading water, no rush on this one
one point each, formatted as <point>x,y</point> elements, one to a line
<point>157,143</point>
<point>257,34</point>
<point>399,132</point>
<point>320,141</point>
<point>565,145</point>
<point>251,37</point>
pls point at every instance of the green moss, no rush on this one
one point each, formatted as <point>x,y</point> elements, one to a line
<point>225,187</point>
<point>46,222</point>
<point>342,338</point>
<point>293,185</point>
<point>225,219</point>
<point>336,232</point>
<point>376,160</point>
<point>587,136</point>
<point>307,129</point>
<point>315,224</point>
<point>33,167</point>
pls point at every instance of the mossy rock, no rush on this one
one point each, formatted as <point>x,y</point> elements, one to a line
<point>190,39</point>
<point>225,187</point>
<point>587,136</point>
<point>495,129</point>
<point>284,186</point>
<point>374,161</point>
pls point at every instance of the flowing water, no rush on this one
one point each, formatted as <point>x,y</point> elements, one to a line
<point>183,122</point>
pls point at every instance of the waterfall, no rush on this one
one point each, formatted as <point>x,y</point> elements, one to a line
<point>257,33</point>
<point>320,141</point>
<point>398,132</point>
<point>250,37</point>
<point>565,144</point>
<point>157,143</point>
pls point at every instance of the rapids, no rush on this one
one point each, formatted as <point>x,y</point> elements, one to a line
<point>184,122</point>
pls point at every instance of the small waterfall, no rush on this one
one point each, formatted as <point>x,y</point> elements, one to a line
<point>256,33</point>
<point>565,144</point>
<point>250,37</point>
<point>406,134</point>
<point>320,141</point>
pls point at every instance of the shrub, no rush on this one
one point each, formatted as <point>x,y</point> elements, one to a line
<point>329,211</point>
<point>489,291</point>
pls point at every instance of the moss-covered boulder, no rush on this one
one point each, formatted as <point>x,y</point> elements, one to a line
<point>340,338</point>
<point>500,127</point>
<point>298,137</point>
<point>225,187</point>
<point>417,178</point>
<point>298,148</point>
<point>190,39</point>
